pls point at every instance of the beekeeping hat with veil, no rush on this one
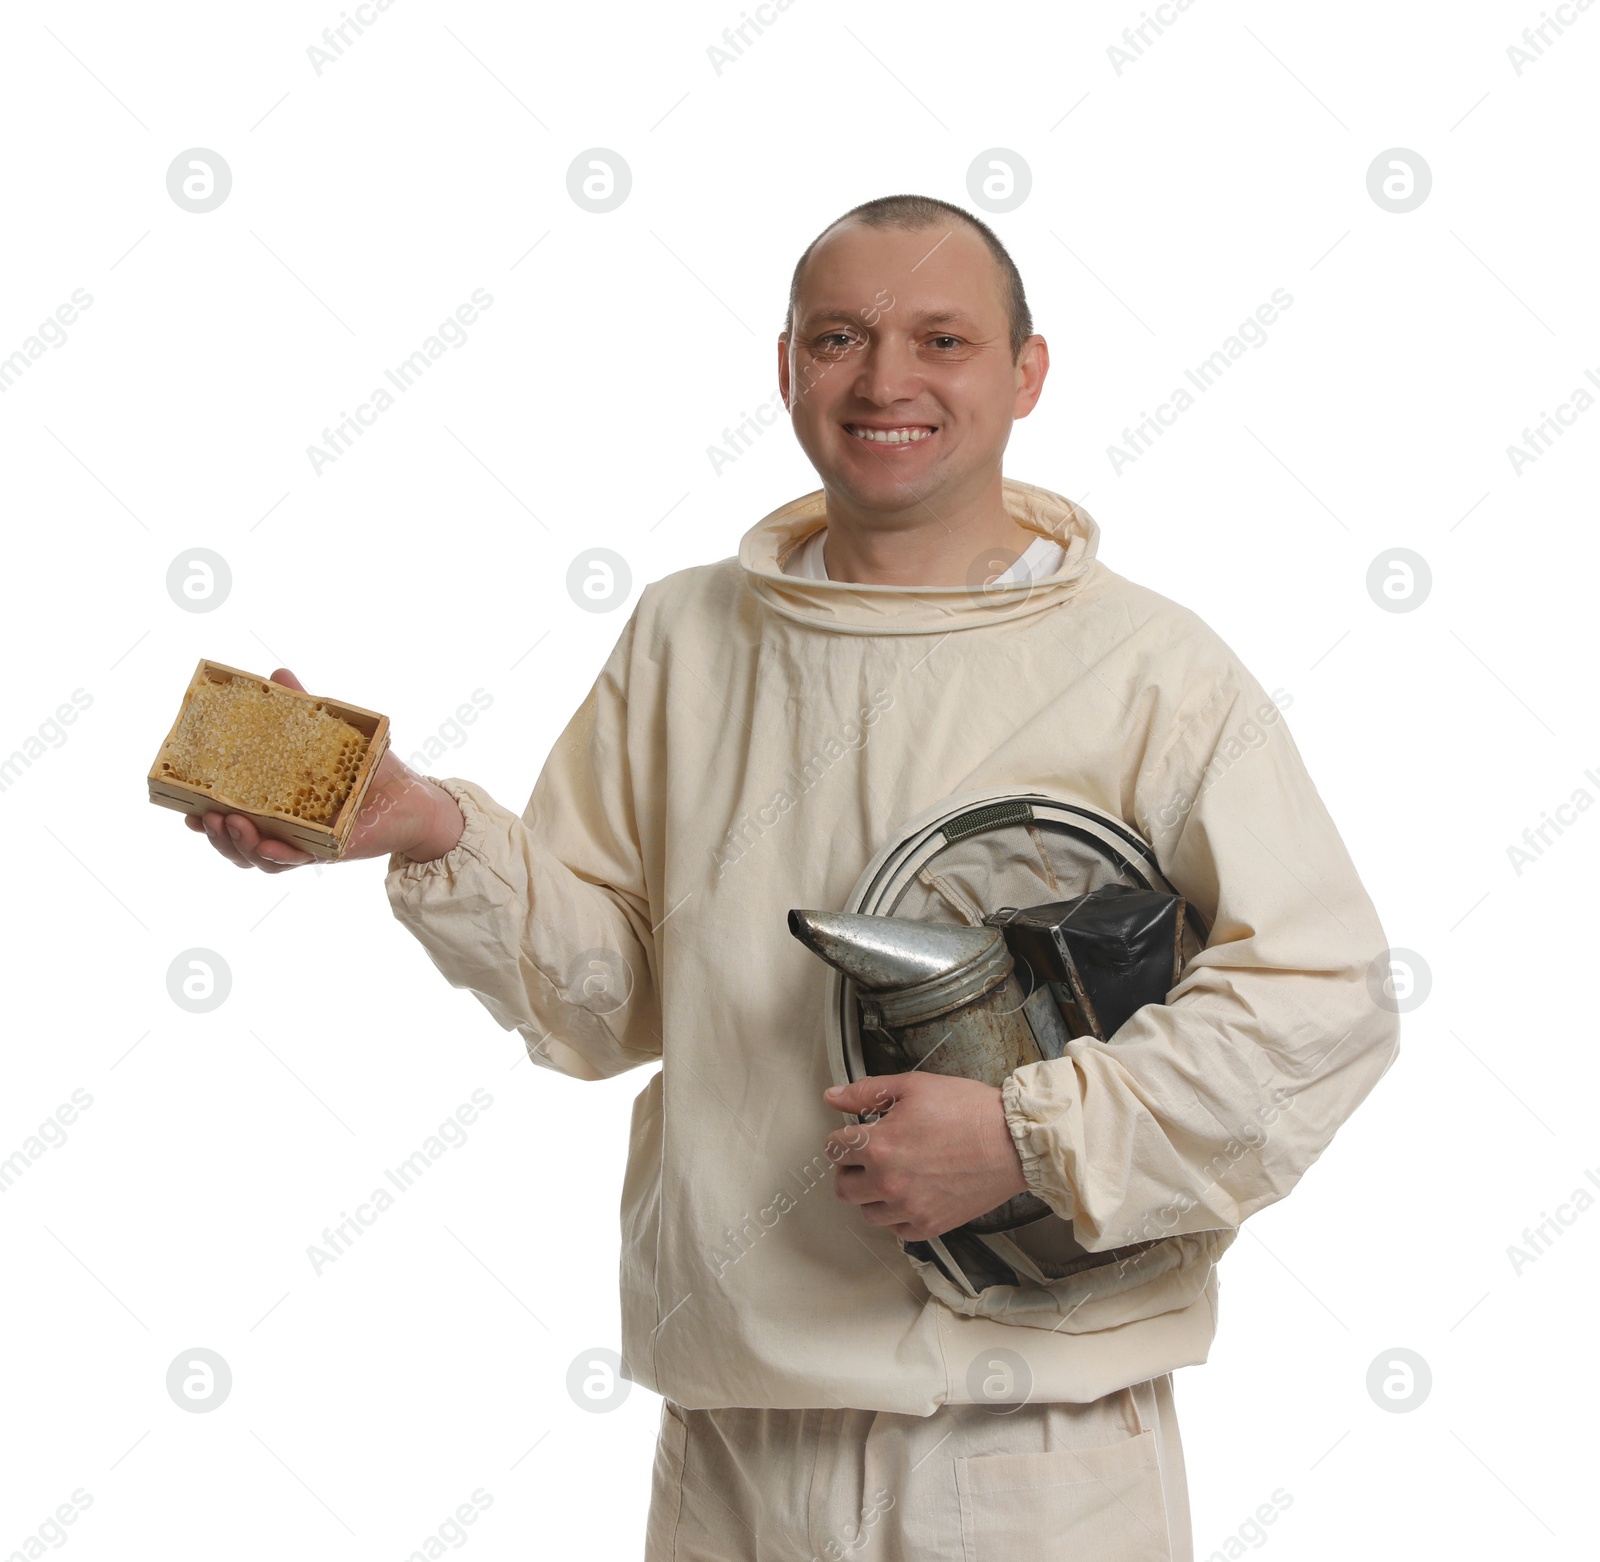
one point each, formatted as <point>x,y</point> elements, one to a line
<point>989,933</point>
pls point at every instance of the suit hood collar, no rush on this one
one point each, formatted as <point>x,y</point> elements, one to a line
<point>850,607</point>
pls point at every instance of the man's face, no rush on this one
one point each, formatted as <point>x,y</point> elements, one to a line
<point>898,373</point>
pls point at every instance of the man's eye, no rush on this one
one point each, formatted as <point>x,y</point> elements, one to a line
<point>835,340</point>
<point>954,341</point>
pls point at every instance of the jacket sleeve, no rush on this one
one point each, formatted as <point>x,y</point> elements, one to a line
<point>546,918</point>
<point>1207,1108</point>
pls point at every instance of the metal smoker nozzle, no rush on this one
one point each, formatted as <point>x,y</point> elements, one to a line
<point>879,953</point>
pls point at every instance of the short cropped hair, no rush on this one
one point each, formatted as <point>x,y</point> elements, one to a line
<point>913,213</point>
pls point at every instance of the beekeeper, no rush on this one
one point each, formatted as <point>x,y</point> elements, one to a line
<point>920,629</point>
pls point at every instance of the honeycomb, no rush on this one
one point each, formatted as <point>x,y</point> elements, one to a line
<point>264,748</point>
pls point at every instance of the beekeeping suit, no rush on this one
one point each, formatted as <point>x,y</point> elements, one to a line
<point>753,742</point>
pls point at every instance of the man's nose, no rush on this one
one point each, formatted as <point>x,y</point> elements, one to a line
<point>887,372</point>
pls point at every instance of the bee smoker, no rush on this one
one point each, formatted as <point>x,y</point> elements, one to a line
<point>980,1002</point>
<point>942,998</point>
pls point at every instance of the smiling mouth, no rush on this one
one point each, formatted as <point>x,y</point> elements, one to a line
<point>903,434</point>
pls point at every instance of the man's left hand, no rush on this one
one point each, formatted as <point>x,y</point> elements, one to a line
<point>941,1155</point>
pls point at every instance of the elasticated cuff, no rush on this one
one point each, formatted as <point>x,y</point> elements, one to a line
<point>1043,1176</point>
<point>468,849</point>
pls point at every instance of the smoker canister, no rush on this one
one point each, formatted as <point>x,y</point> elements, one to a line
<point>945,999</point>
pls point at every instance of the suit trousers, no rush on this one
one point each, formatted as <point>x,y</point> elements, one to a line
<point>1096,1482</point>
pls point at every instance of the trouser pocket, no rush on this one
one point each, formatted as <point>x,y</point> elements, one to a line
<point>1101,1504</point>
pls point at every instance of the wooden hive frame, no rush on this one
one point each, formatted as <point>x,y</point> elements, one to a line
<point>324,841</point>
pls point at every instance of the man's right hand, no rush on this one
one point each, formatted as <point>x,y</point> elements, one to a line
<point>402,812</point>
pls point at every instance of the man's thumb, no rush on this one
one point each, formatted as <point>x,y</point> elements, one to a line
<point>287,679</point>
<point>875,1093</point>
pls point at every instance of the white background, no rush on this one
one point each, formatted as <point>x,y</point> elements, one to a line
<point>368,202</point>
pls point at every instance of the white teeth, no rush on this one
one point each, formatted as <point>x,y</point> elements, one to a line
<point>892,436</point>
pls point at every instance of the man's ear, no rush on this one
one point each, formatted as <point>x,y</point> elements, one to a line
<point>1033,364</point>
<point>783,369</point>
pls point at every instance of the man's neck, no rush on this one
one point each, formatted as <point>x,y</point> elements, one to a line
<point>937,542</point>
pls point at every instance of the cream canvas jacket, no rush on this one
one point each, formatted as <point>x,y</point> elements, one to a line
<point>753,739</point>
